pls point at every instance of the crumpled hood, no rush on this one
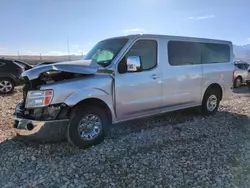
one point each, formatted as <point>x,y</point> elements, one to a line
<point>78,67</point>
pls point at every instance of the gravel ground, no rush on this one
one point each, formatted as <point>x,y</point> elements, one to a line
<point>180,149</point>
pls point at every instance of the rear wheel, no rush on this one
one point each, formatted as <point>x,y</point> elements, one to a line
<point>237,82</point>
<point>211,101</point>
<point>87,126</point>
<point>6,85</point>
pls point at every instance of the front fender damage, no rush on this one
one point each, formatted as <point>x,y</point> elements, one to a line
<point>38,78</point>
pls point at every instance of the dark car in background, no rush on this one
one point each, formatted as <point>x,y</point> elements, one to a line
<point>10,70</point>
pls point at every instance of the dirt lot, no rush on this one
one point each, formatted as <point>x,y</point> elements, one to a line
<point>180,149</point>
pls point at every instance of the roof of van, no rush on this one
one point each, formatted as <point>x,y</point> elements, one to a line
<point>171,37</point>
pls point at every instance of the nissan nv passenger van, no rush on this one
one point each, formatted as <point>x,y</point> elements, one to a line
<point>121,79</point>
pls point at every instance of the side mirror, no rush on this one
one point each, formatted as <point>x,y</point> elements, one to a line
<point>132,64</point>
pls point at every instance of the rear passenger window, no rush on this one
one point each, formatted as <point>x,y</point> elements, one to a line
<point>147,50</point>
<point>215,53</point>
<point>184,53</point>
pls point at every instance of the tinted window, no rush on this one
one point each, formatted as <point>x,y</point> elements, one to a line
<point>184,53</point>
<point>147,50</point>
<point>242,66</point>
<point>215,53</point>
<point>19,64</point>
<point>246,66</point>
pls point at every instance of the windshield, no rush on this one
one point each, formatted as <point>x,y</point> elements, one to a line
<point>105,51</point>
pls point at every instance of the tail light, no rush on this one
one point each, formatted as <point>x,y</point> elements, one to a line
<point>20,69</point>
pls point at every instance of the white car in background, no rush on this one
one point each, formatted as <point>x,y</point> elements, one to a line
<point>241,73</point>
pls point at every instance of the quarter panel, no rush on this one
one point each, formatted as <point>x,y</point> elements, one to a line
<point>220,73</point>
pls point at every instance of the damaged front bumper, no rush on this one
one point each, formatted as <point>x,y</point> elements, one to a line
<point>39,130</point>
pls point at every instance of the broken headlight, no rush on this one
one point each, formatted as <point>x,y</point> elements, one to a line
<point>37,99</point>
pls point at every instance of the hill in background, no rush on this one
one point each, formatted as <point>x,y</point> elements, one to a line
<point>242,52</point>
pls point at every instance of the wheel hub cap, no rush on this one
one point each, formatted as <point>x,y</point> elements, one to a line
<point>212,103</point>
<point>5,86</point>
<point>89,127</point>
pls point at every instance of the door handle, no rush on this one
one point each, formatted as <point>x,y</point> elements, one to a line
<point>154,76</point>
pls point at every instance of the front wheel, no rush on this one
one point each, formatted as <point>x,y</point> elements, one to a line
<point>210,103</point>
<point>87,126</point>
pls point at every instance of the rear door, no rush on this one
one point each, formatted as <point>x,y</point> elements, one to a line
<point>182,75</point>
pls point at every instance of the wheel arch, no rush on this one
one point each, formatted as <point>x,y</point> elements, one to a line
<point>6,76</point>
<point>214,86</point>
<point>97,103</point>
<point>239,76</point>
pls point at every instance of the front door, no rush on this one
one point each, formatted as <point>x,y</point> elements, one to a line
<point>138,94</point>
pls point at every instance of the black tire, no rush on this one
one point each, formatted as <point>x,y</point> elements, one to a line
<point>12,85</point>
<point>248,84</point>
<point>237,82</point>
<point>73,134</point>
<point>210,94</point>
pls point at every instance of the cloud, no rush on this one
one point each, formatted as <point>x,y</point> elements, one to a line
<point>248,38</point>
<point>134,30</point>
<point>75,46</point>
<point>202,17</point>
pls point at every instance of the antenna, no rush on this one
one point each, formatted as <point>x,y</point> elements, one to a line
<point>68,47</point>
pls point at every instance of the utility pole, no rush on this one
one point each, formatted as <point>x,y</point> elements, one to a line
<point>18,55</point>
<point>68,47</point>
<point>40,57</point>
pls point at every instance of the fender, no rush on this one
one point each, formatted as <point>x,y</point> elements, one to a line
<point>8,75</point>
<point>219,81</point>
<point>11,76</point>
<point>83,94</point>
<point>96,93</point>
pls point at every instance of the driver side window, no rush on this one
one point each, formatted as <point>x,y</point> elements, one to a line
<point>147,50</point>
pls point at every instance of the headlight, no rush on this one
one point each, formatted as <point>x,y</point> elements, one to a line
<point>38,98</point>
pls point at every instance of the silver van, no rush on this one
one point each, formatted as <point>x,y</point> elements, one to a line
<point>121,79</point>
